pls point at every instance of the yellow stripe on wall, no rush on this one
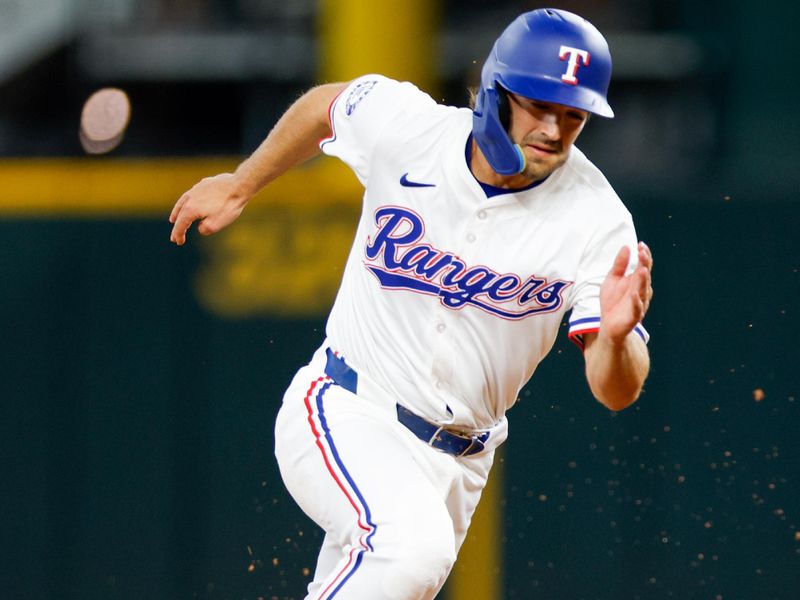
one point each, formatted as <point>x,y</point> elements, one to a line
<point>120,188</point>
<point>98,187</point>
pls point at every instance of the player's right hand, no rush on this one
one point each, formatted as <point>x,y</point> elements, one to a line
<point>213,201</point>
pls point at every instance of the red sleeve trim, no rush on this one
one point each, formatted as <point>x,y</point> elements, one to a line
<point>332,136</point>
<point>577,336</point>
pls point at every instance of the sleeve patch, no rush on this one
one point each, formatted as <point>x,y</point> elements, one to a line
<point>357,94</point>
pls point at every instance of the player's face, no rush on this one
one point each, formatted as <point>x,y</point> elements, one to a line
<point>545,131</point>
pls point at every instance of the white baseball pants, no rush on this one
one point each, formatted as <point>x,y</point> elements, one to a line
<point>395,511</point>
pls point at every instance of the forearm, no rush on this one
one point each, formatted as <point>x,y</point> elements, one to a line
<point>216,202</point>
<point>616,371</point>
<point>292,141</point>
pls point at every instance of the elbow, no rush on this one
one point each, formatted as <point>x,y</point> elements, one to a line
<point>618,400</point>
<point>617,382</point>
<point>617,393</point>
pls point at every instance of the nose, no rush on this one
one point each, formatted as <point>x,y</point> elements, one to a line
<point>551,125</point>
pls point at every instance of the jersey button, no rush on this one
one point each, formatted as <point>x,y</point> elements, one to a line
<point>441,327</point>
<point>471,237</point>
<point>439,384</point>
<point>481,214</point>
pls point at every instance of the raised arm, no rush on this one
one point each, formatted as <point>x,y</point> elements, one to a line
<point>617,361</point>
<point>218,201</point>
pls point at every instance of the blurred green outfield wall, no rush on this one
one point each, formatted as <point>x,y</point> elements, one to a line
<point>137,426</point>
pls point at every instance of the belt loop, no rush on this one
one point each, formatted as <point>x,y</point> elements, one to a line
<point>434,437</point>
<point>468,448</point>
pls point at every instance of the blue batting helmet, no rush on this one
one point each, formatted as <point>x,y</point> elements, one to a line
<point>547,54</point>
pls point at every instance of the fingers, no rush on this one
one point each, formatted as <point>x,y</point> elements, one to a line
<point>183,220</point>
<point>182,224</point>
<point>625,299</point>
<point>210,201</point>
<point>620,262</point>
<point>642,283</point>
<point>646,265</point>
<point>184,213</point>
<point>207,227</point>
<point>177,208</point>
<point>645,256</point>
<point>638,307</point>
<point>180,220</point>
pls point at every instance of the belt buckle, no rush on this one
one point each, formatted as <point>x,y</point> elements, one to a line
<point>475,443</point>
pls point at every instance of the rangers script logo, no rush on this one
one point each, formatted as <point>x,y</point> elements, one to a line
<point>398,261</point>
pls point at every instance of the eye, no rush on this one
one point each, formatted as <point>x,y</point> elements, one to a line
<point>576,116</point>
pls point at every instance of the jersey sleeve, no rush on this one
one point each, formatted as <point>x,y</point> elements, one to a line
<point>592,271</point>
<point>360,114</point>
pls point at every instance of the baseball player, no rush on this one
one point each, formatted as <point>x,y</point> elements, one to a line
<point>480,230</point>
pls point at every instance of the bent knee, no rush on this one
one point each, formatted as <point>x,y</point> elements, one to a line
<point>420,568</point>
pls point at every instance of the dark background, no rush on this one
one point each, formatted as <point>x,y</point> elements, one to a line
<point>137,424</point>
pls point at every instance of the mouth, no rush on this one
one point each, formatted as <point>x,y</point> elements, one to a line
<point>542,150</point>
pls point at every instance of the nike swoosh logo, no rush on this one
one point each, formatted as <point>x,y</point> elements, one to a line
<point>406,182</point>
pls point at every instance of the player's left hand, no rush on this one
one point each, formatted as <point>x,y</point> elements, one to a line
<point>624,299</point>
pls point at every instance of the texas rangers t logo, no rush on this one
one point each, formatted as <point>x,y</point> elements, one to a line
<point>574,57</point>
<point>399,262</point>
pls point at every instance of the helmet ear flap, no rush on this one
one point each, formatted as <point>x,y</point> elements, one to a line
<point>491,134</point>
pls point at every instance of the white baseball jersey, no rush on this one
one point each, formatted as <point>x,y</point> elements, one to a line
<point>450,299</point>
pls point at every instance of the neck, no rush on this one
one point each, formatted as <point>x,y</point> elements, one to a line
<point>484,172</point>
